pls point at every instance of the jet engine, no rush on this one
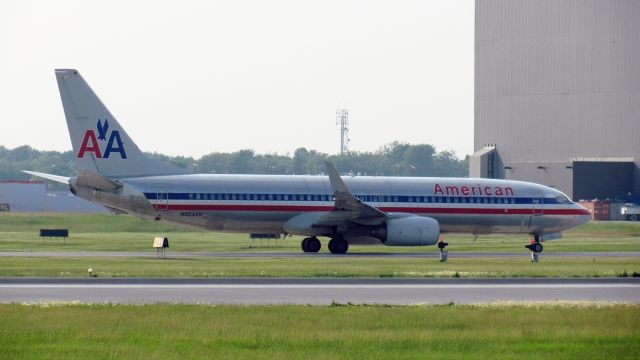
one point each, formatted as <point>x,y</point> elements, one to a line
<point>408,231</point>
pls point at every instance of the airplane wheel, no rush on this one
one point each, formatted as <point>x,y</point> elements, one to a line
<point>310,244</point>
<point>338,245</point>
<point>313,244</point>
<point>537,248</point>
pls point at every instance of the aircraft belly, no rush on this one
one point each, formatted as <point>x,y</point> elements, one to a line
<point>480,224</point>
<point>550,224</point>
<point>235,221</point>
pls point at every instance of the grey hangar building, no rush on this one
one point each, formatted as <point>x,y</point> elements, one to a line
<point>557,95</point>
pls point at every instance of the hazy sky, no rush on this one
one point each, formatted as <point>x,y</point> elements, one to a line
<point>193,77</point>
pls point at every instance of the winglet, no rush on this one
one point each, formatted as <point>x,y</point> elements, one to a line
<point>56,178</point>
<point>337,185</point>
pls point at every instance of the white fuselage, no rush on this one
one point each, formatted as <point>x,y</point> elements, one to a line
<point>263,203</point>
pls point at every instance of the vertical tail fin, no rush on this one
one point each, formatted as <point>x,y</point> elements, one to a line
<point>100,144</point>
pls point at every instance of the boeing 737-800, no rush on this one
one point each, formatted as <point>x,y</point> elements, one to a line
<point>395,211</point>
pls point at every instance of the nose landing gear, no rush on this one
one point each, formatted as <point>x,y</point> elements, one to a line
<point>536,247</point>
<point>535,244</point>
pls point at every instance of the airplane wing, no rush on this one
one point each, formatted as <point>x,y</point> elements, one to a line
<point>347,206</point>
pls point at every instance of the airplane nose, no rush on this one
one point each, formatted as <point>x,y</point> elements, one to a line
<point>585,215</point>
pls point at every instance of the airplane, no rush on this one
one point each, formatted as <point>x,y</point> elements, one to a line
<point>394,211</point>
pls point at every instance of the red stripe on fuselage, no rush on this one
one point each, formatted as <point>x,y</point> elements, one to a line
<point>412,210</point>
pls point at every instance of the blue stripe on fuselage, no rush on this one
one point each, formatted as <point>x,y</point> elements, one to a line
<point>365,198</point>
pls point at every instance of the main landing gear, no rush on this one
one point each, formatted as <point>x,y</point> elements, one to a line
<point>338,245</point>
<point>311,244</point>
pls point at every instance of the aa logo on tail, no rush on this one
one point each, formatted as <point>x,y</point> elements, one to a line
<point>90,143</point>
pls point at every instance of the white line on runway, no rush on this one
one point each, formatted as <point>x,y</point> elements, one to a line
<point>319,286</point>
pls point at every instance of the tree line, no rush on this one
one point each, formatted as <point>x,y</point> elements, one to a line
<point>395,159</point>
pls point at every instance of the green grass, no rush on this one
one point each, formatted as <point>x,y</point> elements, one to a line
<point>319,332</point>
<point>80,223</point>
<point>221,242</point>
<point>320,267</point>
<point>608,228</point>
<point>19,232</point>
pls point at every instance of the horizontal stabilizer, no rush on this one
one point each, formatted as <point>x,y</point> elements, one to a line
<point>56,178</point>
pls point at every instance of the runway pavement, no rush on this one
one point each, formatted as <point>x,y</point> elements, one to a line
<point>452,255</point>
<point>316,291</point>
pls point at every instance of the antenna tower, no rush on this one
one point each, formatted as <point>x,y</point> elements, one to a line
<point>342,120</point>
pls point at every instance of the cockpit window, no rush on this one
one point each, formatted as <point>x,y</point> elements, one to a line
<point>563,199</point>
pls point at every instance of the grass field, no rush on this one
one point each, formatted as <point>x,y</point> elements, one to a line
<point>19,232</point>
<point>319,332</point>
<point>320,267</point>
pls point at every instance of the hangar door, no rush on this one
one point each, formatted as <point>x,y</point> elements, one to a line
<point>602,179</point>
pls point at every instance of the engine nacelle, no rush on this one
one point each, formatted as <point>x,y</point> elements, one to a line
<point>408,231</point>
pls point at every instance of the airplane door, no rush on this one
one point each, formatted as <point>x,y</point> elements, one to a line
<point>162,200</point>
<point>538,205</point>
